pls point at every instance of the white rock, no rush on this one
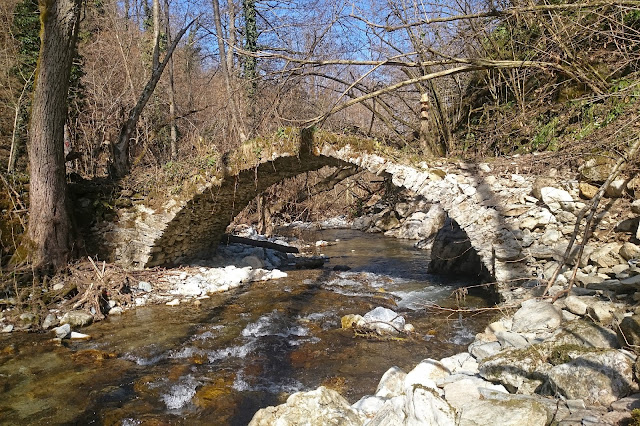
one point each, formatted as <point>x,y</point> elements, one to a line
<point>116,310</point>
<point>253,261</point>
<point>557,199</point>
<point>536,316</point>
<point>426,374</point>
<point>49,321</point>
<point>550,237</point>
<point>425,407</point>
<point>369,405</point>
<point>174,302</point>
<point>464,391</point>
<point>63,331</point>
<point>79,336</point>
<point>462,363</point>
<point>391,414</point>
<point>58,286</point>
<point>384,321</point>
<point>598,378</point>
<point>7,328</point>
<point>510,339</point>
<point>575,305</point>
<point>481,350</point>
<point>391,383</point>
<point>484,167</point>
<point>77,318</point>
<point>314,408</point>
<point>145,286</point>
<point>616,188</point>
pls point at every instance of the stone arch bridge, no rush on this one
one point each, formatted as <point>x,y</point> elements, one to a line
<point>502,220</point>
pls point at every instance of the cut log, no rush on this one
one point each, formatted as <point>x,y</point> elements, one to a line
<point>229,239</point>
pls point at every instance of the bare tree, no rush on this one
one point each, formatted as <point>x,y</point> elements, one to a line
<point>121,165</point>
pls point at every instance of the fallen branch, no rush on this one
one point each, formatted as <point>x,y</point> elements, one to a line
<point>229,239</point>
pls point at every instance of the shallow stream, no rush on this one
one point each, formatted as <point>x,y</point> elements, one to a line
<point>221,361</point>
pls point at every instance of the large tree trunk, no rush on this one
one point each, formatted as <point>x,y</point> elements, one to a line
<point>50,233</point>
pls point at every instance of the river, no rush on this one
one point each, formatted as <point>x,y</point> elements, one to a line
<point>236,352</point>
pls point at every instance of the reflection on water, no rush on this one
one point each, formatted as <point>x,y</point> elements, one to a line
<point>219,362</point>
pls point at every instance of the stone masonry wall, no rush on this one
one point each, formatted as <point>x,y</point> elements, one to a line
<point>519,225</point>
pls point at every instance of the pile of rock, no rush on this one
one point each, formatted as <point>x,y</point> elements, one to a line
<point>545,364</point>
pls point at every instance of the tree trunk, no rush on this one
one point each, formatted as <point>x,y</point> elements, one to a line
<point>250,62</point>
<point>235,111</point>
<point>120,162</point>
<point>50,233</point>
<point>172,90</point>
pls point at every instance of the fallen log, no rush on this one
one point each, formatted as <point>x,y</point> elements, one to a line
<point>229,239</point>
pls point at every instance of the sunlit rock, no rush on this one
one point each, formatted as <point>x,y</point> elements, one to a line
<point>318,408</point>
<point>383,321</point>
<point>535,316</point>
<point>77,318</point>
<point>598,378</point>
<point>391,383</point>
<point>508,412</point>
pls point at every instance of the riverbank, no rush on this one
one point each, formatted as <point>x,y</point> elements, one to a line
<point>548,363</point>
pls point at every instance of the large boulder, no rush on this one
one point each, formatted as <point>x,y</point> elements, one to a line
<point>585,334</point>
<point>596,377</point>
<point>423,406</point>
<point>391,414</point>
<point>420,406</point>
<point>426,373</point>
<point>519,370</point>
<point>536,316</point>
<point>510,412</point>
<point>314,408</point>
<point>461,392</point>
<point>386,220</point>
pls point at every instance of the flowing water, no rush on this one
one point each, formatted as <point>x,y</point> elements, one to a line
<point>219,362</point>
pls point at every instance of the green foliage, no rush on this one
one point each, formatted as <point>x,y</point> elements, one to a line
<point>26,30</point>
<point>546,137</point>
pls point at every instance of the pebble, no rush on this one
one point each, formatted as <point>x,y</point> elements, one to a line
<point>145,286</point>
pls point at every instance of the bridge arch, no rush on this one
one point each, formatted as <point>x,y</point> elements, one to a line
<point>185,228</point>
